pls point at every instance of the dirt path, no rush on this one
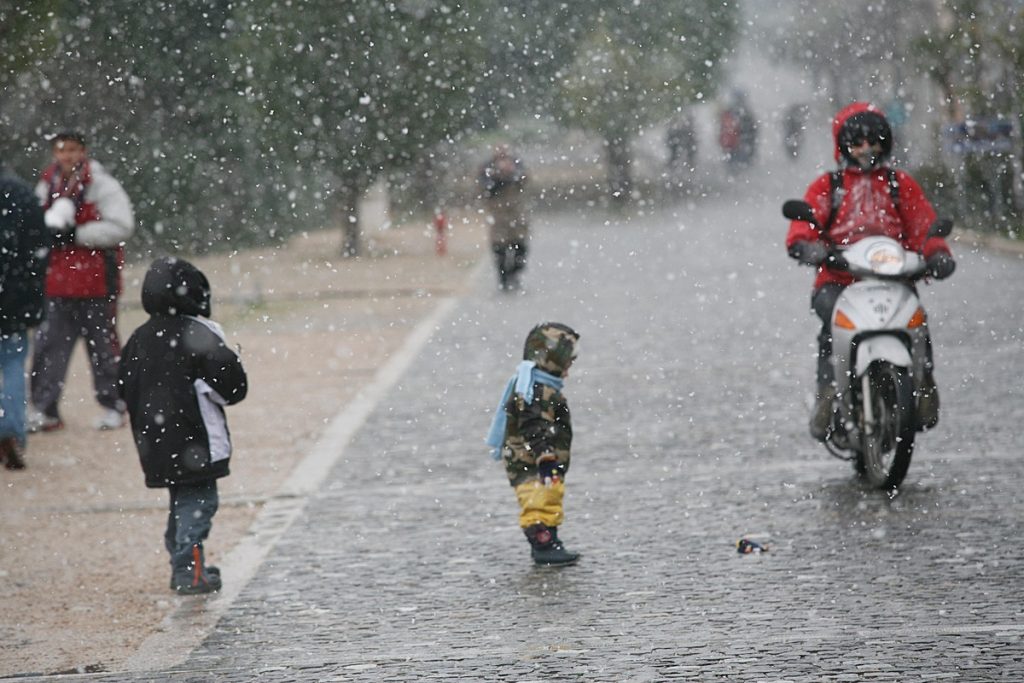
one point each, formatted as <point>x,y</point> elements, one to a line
<point>83,571</point>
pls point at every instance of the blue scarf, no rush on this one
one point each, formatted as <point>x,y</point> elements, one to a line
<point>521,383</point>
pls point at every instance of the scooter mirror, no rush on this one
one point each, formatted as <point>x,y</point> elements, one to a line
<point>799,210</point>
<point>941,227</point>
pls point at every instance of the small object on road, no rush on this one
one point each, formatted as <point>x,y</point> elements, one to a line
<point>747,546</point>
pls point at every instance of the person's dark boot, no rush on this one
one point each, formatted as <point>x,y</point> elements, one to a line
<point>12,454</point>
<point>927,403</point>
<point>821,415</point>
<point>197,579</point>
<point>39,421</point>
<point>204,583</point>
<point>210,569</point>
<point>546,549</point>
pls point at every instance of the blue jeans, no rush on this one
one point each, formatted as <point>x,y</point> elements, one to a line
<point>188,524</point>
<point>13,351</point>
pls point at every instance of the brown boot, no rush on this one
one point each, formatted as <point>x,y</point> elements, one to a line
<point>927,403</point>
<point>821,415</point>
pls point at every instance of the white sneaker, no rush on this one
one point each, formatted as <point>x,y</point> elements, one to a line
<point>36,421</point>
<point>110,419</point>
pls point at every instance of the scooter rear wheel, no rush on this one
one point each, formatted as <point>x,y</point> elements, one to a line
<point>888,442</point>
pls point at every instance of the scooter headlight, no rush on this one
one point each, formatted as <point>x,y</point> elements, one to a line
<point>886,259</point>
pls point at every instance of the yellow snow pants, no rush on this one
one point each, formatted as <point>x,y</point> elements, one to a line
<point>539,503</point>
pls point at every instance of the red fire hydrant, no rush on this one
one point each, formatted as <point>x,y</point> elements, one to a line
<point>441,238</point>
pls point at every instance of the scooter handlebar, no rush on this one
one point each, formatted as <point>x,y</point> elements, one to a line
<point>860,267</point>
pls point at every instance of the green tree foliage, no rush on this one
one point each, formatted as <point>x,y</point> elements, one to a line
<point>971,50</point>
<point>524,44</point>
<point>195,168</point>
<point>24,36</point>
<point>351,93</point>
<point>853,50</point>
<point>234,122</point>
<point>976,53</point>
<point>239,122</point>
<point>146,84</point>
<point>636,64</point>
<point>976,59</point>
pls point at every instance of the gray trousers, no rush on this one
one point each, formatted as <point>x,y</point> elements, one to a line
<point>94,320</point>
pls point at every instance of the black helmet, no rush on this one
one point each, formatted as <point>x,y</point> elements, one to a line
<point>865,125</point>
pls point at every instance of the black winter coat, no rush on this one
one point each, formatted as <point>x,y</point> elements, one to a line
<point>24,252</point>
<point>176,375</point>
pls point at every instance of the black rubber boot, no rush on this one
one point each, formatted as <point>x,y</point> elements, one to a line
<point>210,570</point>
<point>12,454</point>
<point>927,403</point>
<point>821,415</point>
<point>198,579</point>
<point>209,583</point>
<point>545,547</point>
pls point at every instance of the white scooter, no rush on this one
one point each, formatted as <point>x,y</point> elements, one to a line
<point>878,353</point>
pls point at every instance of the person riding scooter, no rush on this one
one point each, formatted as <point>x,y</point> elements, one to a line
<point>864,197</point>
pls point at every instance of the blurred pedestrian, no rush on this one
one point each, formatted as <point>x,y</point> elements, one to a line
<point>681,140</point>
<point>24,248</point>
<point>532,432</point>
<point>177,374</point>
<point>90,217</point>
<point>737,129</point>
<point>794,120</point>
<point>502,183</point>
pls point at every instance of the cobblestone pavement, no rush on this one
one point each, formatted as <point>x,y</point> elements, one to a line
<point>690,401</point>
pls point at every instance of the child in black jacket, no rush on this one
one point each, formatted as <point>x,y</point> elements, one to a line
<point>176,375</point>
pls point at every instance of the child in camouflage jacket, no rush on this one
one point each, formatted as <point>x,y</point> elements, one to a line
<point>532,433</point>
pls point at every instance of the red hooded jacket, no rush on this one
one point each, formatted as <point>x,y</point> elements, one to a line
<point>866,208</point>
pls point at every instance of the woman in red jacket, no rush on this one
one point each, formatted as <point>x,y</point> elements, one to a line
<point>865,197</point>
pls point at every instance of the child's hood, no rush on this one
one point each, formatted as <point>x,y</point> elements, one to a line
<point>173,286</point>
<point>552,346</point>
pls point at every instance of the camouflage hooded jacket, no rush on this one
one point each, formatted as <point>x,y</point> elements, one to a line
<point>542,427</point>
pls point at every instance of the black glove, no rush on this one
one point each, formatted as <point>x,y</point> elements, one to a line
<point>940,265</point>
<point>548,469</point>
<point>809,253</point>
<point>837,260</point>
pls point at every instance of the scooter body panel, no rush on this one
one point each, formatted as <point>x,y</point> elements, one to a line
<point>881,347</point>
<point>879,311</point>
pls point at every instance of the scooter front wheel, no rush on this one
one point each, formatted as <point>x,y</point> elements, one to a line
<point>888,425</point>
